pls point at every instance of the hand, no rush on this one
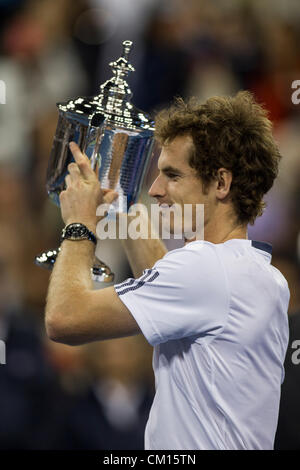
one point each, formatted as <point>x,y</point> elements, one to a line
<point>83,193</point>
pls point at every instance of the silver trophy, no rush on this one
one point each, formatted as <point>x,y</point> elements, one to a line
<point>117,138</point>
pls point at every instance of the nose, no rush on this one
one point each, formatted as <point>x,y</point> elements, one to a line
<point>157,189</point>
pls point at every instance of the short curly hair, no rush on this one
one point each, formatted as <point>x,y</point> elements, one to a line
<point>228,132</point>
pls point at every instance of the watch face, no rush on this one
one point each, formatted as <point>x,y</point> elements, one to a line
<point>76,231</point>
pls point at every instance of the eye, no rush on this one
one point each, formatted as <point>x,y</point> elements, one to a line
<point>173,176</point>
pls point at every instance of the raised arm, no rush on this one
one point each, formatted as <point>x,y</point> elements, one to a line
<point>75,313</point>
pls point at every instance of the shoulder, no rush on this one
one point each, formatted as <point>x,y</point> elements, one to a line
<point>197,265</point>
<point>192,252</point>
<point>279,277</point>
<point>184,294</point>
<point>282,284</point>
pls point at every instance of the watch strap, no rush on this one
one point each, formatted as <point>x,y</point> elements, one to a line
<point>77,232</point>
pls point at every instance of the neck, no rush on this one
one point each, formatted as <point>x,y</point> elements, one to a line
<point>219,230</point>
<point>227,233</point>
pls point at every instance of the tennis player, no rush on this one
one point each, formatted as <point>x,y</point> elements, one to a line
<point>216,309</point>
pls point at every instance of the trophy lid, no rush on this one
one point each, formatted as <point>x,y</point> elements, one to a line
<point>114,99</point>
<point>81,106</point>
<point>115,95</point>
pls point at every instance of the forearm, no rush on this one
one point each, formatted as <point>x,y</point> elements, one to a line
<point>143,253</point>
<point>69,282</point>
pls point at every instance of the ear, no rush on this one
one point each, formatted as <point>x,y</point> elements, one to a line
<point>224,180</point>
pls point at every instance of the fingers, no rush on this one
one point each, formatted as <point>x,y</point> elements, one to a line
<point>82,161</point>
<point>82,168</point>
<point>74,173</point>
<point>68,181</point>
<point>73,169</point>
<point>109,196</point>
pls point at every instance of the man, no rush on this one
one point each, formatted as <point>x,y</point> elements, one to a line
<point>216,309</point>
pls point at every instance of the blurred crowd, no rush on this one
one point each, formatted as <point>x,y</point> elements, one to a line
<point>98,396</point>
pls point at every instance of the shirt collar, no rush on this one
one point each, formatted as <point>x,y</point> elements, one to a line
<point>264,246</point>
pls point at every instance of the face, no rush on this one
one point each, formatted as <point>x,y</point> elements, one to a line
<point>178,183</point>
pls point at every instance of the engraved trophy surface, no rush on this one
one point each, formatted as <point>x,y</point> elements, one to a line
<point>117,138</point>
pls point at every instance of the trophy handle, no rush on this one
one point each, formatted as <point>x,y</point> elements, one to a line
<point>100,271</point>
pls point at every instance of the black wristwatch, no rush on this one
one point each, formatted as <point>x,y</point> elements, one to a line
<point>77,232</point>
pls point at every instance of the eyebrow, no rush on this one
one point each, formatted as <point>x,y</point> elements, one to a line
<point>171,169</point>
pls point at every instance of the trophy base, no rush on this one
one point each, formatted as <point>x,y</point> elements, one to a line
<point>100,271</point>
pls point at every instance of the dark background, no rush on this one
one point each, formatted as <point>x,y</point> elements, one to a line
<point>98,396</point>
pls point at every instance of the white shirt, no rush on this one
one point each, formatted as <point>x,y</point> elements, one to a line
<point>216,315</point>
